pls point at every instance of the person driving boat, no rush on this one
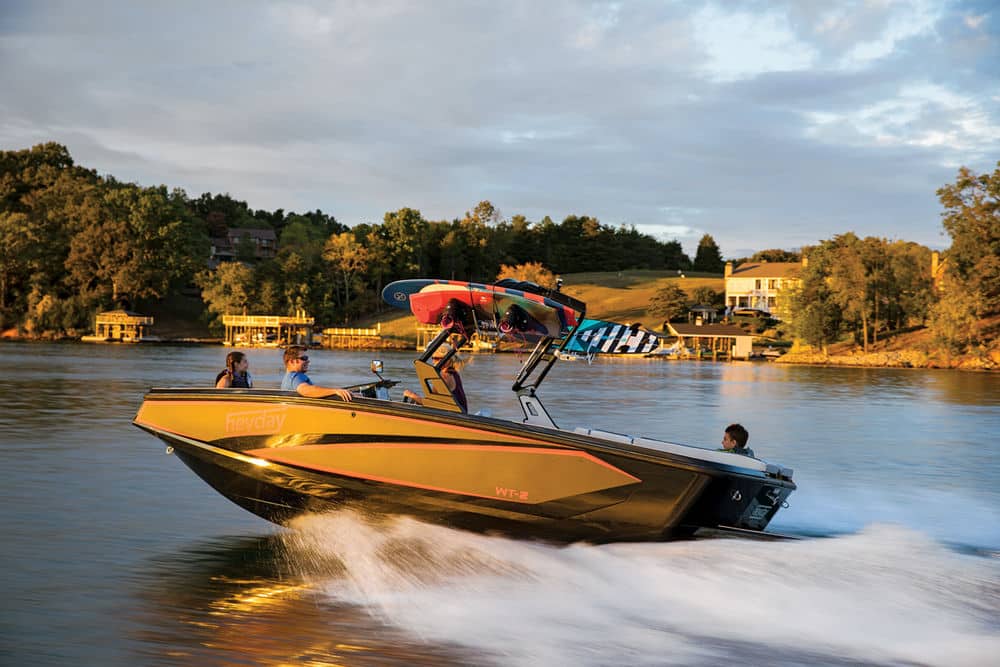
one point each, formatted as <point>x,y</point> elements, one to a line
<point>450,375</point>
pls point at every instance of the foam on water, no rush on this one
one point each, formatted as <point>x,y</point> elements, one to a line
<point>886,594</point>
<point>955,516</point>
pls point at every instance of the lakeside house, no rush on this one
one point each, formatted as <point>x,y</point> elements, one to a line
<point>758,284</point>
<point>264,243</point>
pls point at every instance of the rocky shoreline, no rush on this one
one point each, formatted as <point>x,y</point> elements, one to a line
<point>987,361</point>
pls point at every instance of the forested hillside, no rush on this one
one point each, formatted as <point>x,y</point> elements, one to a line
<point>73,243</point>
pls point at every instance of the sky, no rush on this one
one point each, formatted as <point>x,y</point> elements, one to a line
<point>766,124</point>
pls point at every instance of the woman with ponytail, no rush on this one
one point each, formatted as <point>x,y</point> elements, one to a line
<point>235,376</point>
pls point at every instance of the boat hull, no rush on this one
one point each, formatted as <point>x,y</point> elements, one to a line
<point>279,455</point>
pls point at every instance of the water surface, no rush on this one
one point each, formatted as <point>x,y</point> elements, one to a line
<point>115,554</point>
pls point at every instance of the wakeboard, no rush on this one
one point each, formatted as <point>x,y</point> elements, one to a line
<point>499,308</point>
<point>602,337</point>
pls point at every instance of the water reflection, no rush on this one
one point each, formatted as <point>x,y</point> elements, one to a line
<point>249,601</point>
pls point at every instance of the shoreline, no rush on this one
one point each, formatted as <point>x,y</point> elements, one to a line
<point>915,359</point>
<point>896,359</point>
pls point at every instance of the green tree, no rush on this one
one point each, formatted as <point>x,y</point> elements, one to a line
<point>954,319</point>
<point>139,242</point>
<point>379,265</point>
<point>848,281</point>
<point>18,236</point>
<point>775,255</point>
<point>708,258</point>
<point>482,256</point>
<point>707,296</point>
<point>268,299</point>
<point>220,212</point>
<point>452,255</point>
<point>547,233</point>
<point>674,257</point>
<point>972,219</point>
<point>670,303</point>
<point>910,283</point>
<point>350,261</point>
<point>816,314</point>
<point>227,290</point>
<point>533,272</point>
<point>522,245</point>
<point>405,231</point>
<point>39,190</point>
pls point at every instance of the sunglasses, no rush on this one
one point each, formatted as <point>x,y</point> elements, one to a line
<point>304,357</point>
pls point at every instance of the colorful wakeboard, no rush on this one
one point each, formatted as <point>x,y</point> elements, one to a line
<point>600,337</point>
<point>498,308</point>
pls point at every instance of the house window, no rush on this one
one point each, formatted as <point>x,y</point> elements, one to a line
<point>771,302</point>
<point>757,286</point>
<point>772,284</point>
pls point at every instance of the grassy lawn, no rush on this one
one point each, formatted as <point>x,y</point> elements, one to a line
<point>623,296</point>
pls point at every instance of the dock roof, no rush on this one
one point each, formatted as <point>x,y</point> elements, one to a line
<point>706,330</point>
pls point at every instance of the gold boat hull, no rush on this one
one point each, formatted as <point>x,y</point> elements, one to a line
<point>279,455</point>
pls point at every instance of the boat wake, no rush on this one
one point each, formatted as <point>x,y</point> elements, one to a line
<point>885,595</point>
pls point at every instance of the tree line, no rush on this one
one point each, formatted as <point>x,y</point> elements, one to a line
<point>867,288</point>
<point>73,242</point>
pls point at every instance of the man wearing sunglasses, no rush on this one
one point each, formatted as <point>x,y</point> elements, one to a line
<point>296,365</point>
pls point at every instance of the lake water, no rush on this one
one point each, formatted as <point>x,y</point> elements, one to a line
<point>114,553</point>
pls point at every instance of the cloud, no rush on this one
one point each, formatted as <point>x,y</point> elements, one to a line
<point>765,125</point>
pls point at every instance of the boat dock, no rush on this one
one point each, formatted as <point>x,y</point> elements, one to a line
<point>353,338</point>
<point>267,330</point>
<point>711,341</point>
<point>120,326</point>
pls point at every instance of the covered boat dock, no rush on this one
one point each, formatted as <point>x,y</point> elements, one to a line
<point>267,330</point>
<point>727,341</point>
<point>120,326</point>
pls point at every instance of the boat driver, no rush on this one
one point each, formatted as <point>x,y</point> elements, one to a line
<point>450,376</point>
<point>296,365</point>
<point>735,440</point>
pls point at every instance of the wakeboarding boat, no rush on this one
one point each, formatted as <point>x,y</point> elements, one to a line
<point>279,454</point>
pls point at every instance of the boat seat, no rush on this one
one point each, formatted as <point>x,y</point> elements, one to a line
<point>436,392</point>
<point>712,455</point>
<point>701,453</point>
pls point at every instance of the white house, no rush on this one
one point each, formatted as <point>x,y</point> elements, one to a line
<point>756,284</point>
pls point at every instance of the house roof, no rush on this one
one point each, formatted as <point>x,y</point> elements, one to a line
<point>237,233</point>
<point>685,329</point>
<point>234,234</point>
<point>767,270</point>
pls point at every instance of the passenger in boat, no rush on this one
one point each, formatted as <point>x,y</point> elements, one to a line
<point>735,440</point>
<point>450,376</point>
<point>235,376</point>
<point>296,365</point>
